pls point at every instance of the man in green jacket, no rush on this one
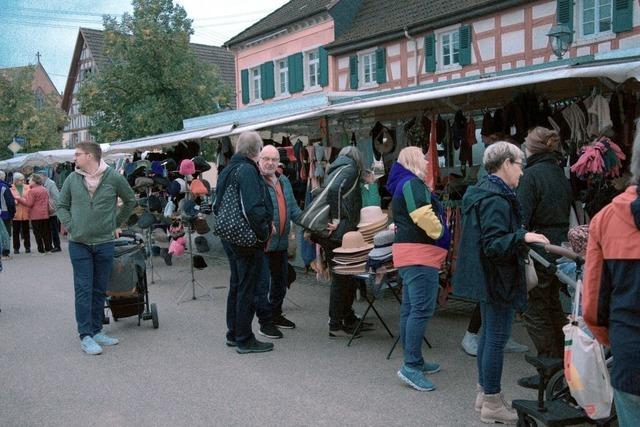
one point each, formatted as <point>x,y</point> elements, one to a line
<point>87,208</point>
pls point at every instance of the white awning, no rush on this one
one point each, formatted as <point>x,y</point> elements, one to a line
<point>618,72</point>
<point>48,158</point>
<point>167,139</point>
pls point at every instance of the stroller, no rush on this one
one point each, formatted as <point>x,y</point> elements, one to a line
<point>127,292</point>
<point>555,405</point>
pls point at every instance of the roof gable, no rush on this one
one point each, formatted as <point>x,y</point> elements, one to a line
<point>293,11</point>
<point>94,39</point>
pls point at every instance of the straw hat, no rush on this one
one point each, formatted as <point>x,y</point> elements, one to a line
<point>350,261</point>
<point>372,217</point>
<point>351,269</point>
<point>352,242</point>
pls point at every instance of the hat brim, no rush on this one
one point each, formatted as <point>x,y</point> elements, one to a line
<point>349,262</point>
<point>380,252</point>
<point>342,250</point>
<point>373,224</point>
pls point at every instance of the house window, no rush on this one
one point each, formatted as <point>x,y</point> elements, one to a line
<point>450,48</point>
<point>282,76</point>
<point>255,84</point>
<point>39,98</point>
<point>596,16</point>
<point>313,69</point>
<point>368,68</point>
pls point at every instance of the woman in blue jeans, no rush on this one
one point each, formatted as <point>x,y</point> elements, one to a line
<point>490,269</point>
<point>418,259</point>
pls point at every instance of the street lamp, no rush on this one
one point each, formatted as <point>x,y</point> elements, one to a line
<point>560,37</point>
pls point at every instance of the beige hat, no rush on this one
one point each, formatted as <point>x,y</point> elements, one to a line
<point>372,216</point>
<point>352,242</point>
<point>350,260</point>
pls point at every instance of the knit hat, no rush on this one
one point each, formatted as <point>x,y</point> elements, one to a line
<point>187,167</point>
<point>578,237</point>
<point>541,140</point>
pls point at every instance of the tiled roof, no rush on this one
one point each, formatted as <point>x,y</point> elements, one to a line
<point>207,54</point>
<point>293,11</point>
<point>381,17</point>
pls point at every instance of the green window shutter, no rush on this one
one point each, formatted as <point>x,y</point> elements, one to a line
<point>267,86</point>
<point>381,65</point>
<point>564,13</point>
<point>465,45</point>
<point>622,15</point>
<point>244,77</point>
<point>430,53</point>
<point>324,67</point>
<point>353,72</point>
<point>296,76</point>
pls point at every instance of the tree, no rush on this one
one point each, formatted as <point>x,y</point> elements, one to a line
<point>39,121</point>
<point>152,80</point>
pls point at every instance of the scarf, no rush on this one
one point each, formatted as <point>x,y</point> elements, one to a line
<point>20,188</point>
<point>508,193</point>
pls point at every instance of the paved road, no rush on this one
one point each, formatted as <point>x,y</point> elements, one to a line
<point>182,374</point>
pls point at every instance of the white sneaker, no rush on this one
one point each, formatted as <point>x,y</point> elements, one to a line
<point>515,347</point>
<point>103,339</point>
<point>470,343</point>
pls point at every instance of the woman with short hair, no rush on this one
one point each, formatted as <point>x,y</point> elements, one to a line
<point>20,224</point>
<point>491,269</point>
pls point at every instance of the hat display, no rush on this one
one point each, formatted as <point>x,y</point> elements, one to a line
<point>132,220</point>
<point>154,203</point>
<point>187,167</point>
<point>157,168</point>
<point>189,208</point>
<point>161,181</point>
<point>160,238</point>
<point>146,220</point>
<point>372,220</point>
<point>199,262</point>
<point>182,183</point>
<point>143,165</point>
<point>352,242</point>
<point>143,182</point>
<point>201,244</point>
<point>201,226</point>
<point>201,164</point>
<point>372,216</point>
<point>170,164</point>
<point>197,188</point>
<point>173,188</point>
<point>382,242</point>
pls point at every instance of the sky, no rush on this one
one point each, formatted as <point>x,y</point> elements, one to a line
<point>51,26</point>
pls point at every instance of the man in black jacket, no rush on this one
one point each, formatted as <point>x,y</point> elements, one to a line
<point>247,264</point>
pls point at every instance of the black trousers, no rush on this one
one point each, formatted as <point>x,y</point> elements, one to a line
<point>544,317</point>
<point>42,234</point>
<point>21,228</point>
<point>54,225</point>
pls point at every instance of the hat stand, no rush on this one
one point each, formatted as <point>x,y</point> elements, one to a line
<point>184,294</point>
<point>149,244</point>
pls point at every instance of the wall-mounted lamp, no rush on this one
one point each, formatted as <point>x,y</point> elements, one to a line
<point>560,37</point>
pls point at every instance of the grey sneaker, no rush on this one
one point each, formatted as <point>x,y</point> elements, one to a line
<point>89,346</point>
<point>104,339</point>
<point>254,346</point>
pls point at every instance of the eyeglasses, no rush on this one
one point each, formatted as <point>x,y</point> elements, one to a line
<point>270,159</point>
<point>78,154</point>
<point>521,164</point>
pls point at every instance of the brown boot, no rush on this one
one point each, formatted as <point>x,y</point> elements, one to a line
<point>479,398</point>
<point>496,410</point>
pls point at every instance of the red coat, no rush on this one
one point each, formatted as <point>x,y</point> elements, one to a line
<point>37,200</point>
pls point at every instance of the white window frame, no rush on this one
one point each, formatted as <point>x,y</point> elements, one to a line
<point>255,94</point>
<point>278,79</point>
<point>307,65</point>
<point>451,32</point>
<point>596,35</point>
<point>362,83</point>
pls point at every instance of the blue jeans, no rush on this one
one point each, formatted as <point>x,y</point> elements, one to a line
<point>627,408</point>
<point>91,272</point>
<point>419,294</point>
<point>495,332</point>
<point>246,267</point>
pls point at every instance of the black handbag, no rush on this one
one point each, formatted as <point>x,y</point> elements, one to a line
<point>232,224</point>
